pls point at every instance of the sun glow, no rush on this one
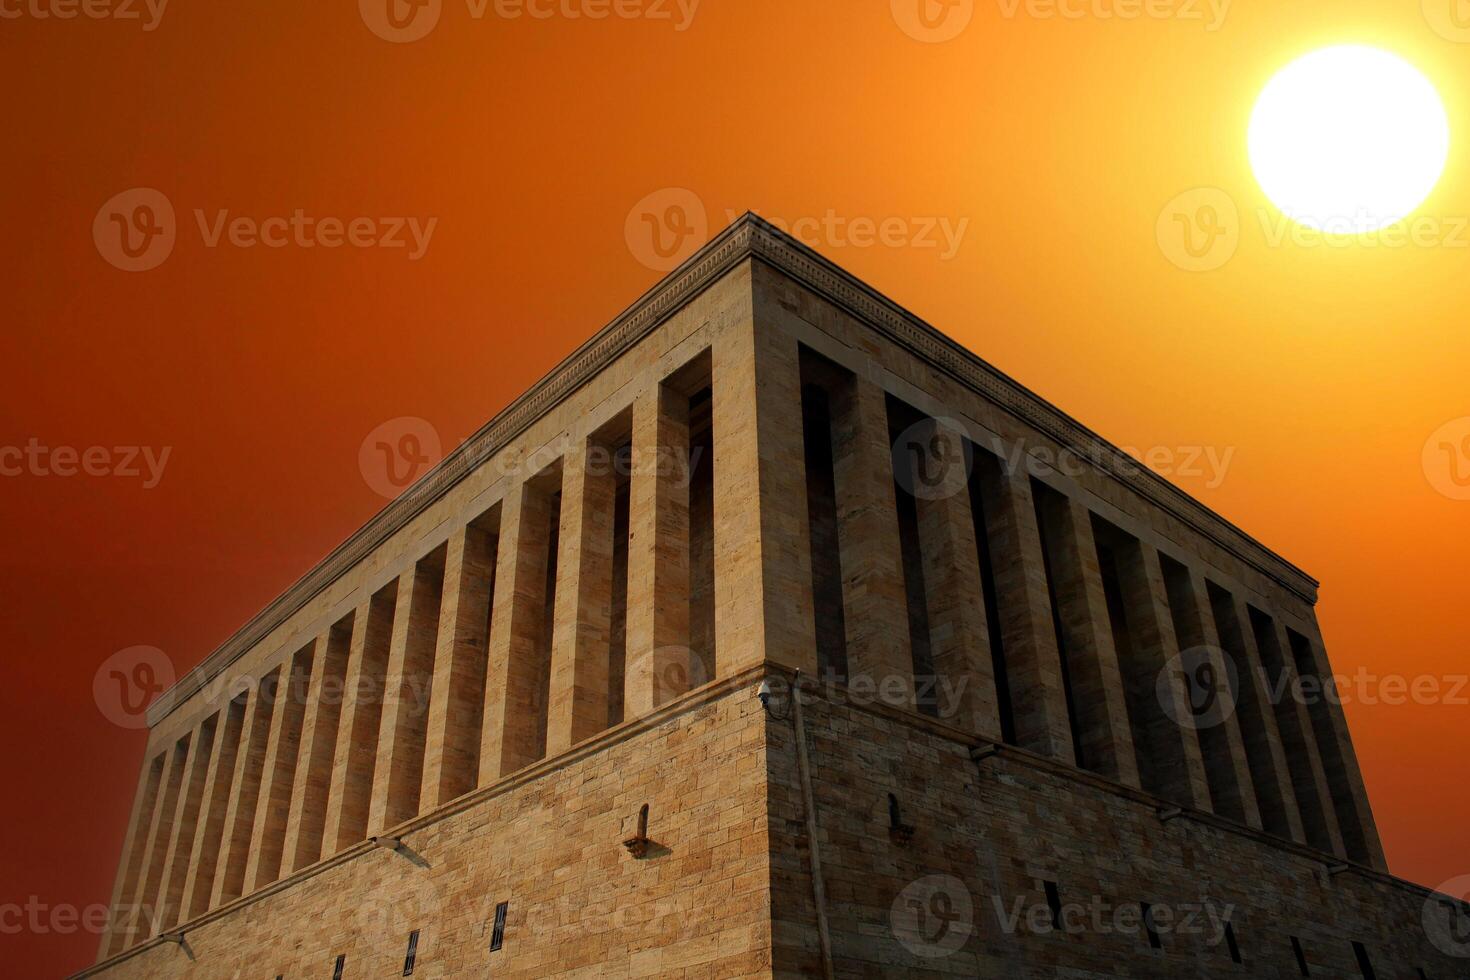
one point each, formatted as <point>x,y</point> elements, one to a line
<point>1348,139</point>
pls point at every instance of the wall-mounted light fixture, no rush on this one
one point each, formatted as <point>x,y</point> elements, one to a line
<point>177,938</point>
<point>637,845</point>
<point>764,693</point>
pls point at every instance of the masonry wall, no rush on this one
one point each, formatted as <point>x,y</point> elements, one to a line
<point>1001,828</point>
<point>550,843</point>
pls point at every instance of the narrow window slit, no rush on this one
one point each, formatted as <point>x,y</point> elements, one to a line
<point>497,932</point>
<point>412,954</point>
<point>1150,927</point>
<point>1301,957</point>
<point>1054,903</point>
<point>1365,965</point>
<point>1231,943</point>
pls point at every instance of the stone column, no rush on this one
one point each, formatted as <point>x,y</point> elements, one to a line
<point>145,899</point>
<point>763,573</point>
<point>239,834</point>
<point>457,699</point>
<point>1082,611</point>
<point>1033,662</point>
<point>1309,780</point>
<point>279,773</point>
<point>1272,775</point>
<point>140,823</point>
<point>512,736</point>
<point>1173,749</point>
<point>958,632</point>
<point>880,652</point>
<point>1221,744</point>
<point>355,760</point>
<point>658,551</point>
<point>186,822</point>
<point>403,728</point>
<point>325,693</point>
<point>1340,763</point>
<point>205,859</point>
<point>577,707</point>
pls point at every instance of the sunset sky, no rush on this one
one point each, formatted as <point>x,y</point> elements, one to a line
<point>1028,171</point>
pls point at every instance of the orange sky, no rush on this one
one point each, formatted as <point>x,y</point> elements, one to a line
<point>1055,142</point>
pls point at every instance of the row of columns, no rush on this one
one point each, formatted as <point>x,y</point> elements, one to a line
<point>1070,671</point>
<point>488,654</point>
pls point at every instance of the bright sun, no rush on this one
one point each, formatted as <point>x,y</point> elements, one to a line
<point>1348,139</point>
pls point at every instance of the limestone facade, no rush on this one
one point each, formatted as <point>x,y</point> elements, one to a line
<point>1027,685</point>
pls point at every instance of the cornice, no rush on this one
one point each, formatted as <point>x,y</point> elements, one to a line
<point>748,237</point>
